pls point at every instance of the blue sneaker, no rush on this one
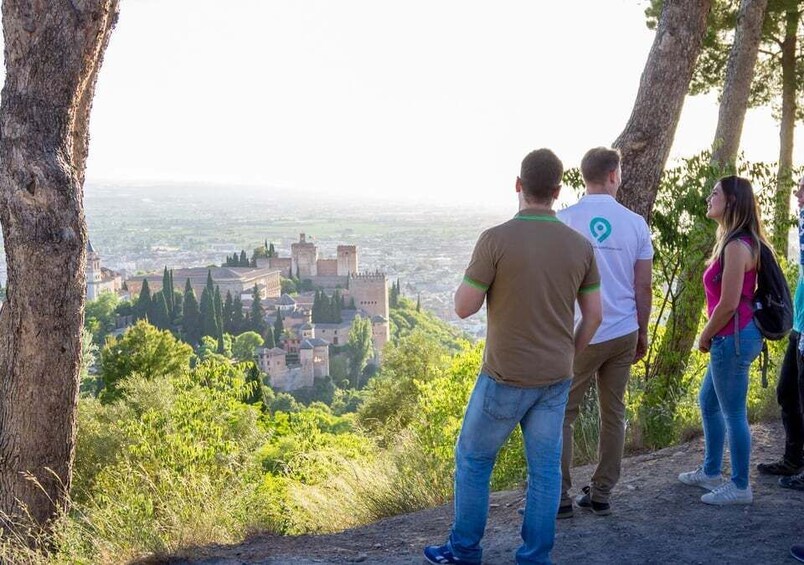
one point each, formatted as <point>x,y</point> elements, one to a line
<point>442,555</point>
<point>796,551</point>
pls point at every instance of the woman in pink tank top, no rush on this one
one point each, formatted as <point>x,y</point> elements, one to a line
<point>732,340</point>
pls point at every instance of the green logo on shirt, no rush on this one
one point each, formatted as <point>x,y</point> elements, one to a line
<point>600,228</point>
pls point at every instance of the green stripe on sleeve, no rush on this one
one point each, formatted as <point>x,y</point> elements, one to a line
<point>590,288</point>
<point>475,284</point>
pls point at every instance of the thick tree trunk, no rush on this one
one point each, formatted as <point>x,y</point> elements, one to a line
<point>647,138</point>
<point>682,325</point>
<point>784,177</point>
<point>53,52</point>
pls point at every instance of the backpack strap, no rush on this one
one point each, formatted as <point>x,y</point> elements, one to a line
<point>763,363</point>
<point>736,317</point>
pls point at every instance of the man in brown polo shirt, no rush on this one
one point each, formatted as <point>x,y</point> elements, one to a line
<point>530,271</point>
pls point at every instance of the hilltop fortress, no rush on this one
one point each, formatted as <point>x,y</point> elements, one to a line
<point>304,263</point>
<point>303,351</point>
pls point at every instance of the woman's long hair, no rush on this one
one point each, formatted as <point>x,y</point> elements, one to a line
<point>740,215</point>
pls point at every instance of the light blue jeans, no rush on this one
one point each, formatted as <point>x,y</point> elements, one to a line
<point>723,403</point>
<point>493,412</point>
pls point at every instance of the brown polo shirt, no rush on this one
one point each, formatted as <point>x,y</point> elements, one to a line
<point>532,268</point>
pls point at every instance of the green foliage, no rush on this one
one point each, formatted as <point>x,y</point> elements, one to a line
<point>245,344</point>
<point>210,348</point>
<point>323,391</point>
<point>142,350</point>
<point>289,286</point>
<point>392,397</point>
<point>326,309</point>
<point>90,382</point>
<point>359,348</point>
<point>174,461</point>
<point>100,316</point>
<point>407,317</point>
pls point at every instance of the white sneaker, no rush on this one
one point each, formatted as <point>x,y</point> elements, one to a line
<point>698,478</point>
<point>728,493</point>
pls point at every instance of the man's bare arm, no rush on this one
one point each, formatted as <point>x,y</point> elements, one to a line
<point>591,316</point>
<point>468,300</point>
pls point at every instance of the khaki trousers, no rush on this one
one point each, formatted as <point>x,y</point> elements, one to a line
<point>609,361</point>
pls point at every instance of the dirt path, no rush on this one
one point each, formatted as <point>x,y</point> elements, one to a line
<point>656,519</point>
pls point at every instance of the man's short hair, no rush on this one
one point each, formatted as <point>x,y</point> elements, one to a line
<point>598,163</point>
<point>540,175</point>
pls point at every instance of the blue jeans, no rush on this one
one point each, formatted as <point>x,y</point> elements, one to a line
<point>493,412</point>
<point>723,408</point>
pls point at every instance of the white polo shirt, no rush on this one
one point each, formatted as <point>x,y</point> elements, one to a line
<point>620,238</point>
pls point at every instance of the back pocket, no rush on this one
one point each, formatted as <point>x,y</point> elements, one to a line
<point>501,402</point>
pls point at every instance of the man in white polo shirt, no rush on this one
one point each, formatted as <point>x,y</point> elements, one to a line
<point>624,255</point>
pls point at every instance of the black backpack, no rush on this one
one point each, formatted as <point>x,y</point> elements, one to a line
<point>772,303</point>
<point>773,307</point>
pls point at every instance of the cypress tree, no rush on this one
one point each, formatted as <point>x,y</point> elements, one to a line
<point>191,316</point>
<point>279,327</point>
<point>174,304</point>
<point>218,308</point>
<point>271,251</point>
<point>243,258</point>
<point>221,346</point>
<point>178,304</point>
<point>228,306</point>
<point>143,306</point>
<point>209,324</point>
<point>270,342</point>
<point>316,311</point>
<point>257,312</point>
<point>167,291</point>
<point>419,302</point>
<point>210,284</point>
<point>337,303</point>
<point>160,317</point>
<point>237,315</point>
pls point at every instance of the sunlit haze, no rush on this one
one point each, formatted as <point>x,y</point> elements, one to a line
<point>406,99</point>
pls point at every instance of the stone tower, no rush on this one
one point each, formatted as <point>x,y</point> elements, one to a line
<point>304,257</point>
<point>370,292</point>
<point>93,272</point>
<point>347,260</point>
<point>380,334</point>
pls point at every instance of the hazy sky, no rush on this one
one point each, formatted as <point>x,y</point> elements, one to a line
<point>436,98</point>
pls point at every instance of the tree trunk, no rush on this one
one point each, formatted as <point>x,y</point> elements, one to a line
<point>682,325</point>
<point>647,138</point>
<point>53,52</point>
<point>784,177</point>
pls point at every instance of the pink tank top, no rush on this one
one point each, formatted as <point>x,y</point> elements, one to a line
<point>712,284</point>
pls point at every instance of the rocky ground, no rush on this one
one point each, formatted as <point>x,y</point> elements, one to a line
<point>655,519</point>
